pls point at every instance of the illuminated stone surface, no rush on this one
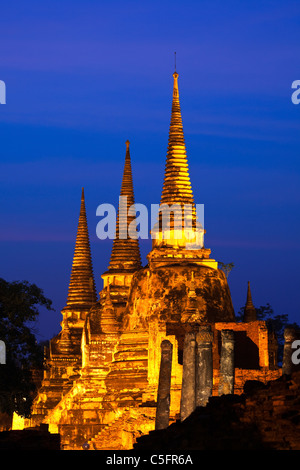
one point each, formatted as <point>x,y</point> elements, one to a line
<point>204,365</point>
<point>188,388</point>
<point>125,254</point>
<point>63,358</point>
<point>101,373</point>
<point>82,290</point>
<point>177,187</point>
<point>226,383</point>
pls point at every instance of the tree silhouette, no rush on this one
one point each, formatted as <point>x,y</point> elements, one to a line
<point>226,268</point>
<point>19,302</point>
<point>276,323</point>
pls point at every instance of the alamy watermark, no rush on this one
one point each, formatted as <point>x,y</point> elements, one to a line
<point>175,221</point>
<point>296,354</point>
<point>296,94</point>
<point>2,92</point>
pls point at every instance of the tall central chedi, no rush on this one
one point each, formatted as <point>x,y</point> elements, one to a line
<point>178,232</point>
<point>177,200</point>
<point>177,186</point>
<point>178,261</point>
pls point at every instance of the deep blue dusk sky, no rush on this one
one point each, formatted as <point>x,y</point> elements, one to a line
<point>82,77</point>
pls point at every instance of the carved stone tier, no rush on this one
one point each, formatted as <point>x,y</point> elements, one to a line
<point>128,377</point>
<point>162,256</point>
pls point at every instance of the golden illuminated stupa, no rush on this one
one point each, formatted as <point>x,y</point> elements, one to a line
<point>177,190</point>
<point>125,256</point>
<point>82,290</point>
<point>101,379</point>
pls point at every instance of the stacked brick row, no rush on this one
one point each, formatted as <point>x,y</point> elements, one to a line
<point>276,410</point>
<point>265,417</point>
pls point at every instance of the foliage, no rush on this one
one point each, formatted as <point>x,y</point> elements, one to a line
<point>276,323</point>
<point>19,309</point>
<point>226,268</point>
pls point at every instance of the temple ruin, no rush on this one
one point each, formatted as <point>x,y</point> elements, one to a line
<point>159,340</point>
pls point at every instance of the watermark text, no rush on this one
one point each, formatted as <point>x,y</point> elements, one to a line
<point>2,92</point>
<point>178,221</point>
<point>296,94</point>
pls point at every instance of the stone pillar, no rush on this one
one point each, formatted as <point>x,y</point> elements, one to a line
<point>289,337</point>
<point>164,385</point>
<point>188,403</point>
<point>226,383</point>
<point>204,365</point>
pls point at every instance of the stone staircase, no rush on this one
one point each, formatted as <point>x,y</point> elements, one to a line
<point>122,433</point>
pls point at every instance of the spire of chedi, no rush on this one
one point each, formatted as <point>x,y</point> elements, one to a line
<point>177,188</point>
<point>250,310</point>
<point>82,290</point>
<point>125,254</point>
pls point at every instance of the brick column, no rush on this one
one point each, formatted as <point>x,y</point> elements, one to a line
<point>263,345</point>
<point>226,383</point>
<point>204,365</point>
<point>188,402</point>
<point>164,384</point>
